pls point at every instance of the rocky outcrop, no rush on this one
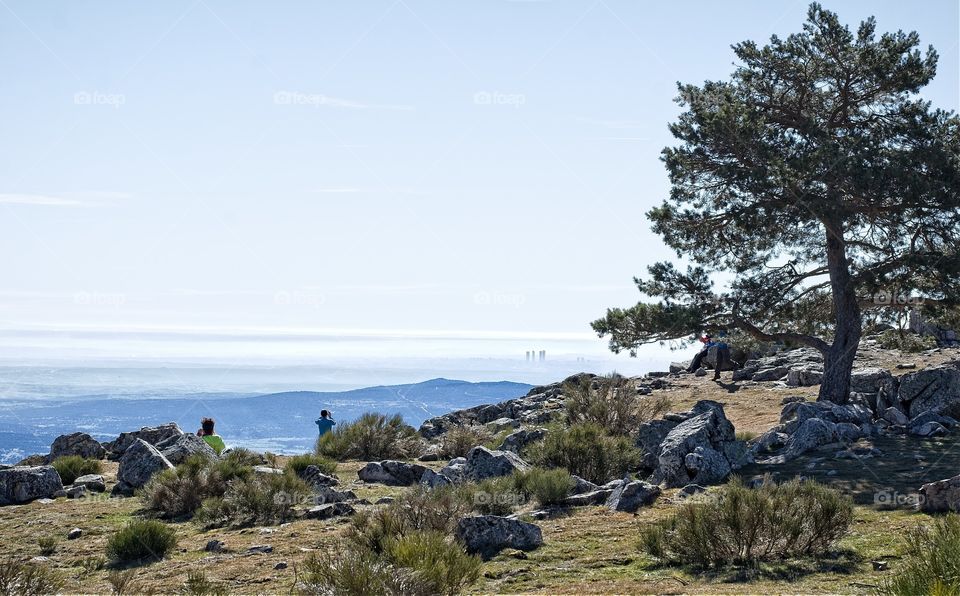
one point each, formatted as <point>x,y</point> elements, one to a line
<point>150,434</point>
<point>800,367</point>
<point>516,441</point>
<point>178,448</point>
<point>630,496</point>
<point>139,463</point>
<point>483,463</point>
<point>487,535</point>
<point>393,473</point>
<point>315,478</point>
<point>22,484</point>
<point>80,444</point>
<point>940,496</point>
<point>934,389</point>
<point>92,482</point>
<point>705,434</point>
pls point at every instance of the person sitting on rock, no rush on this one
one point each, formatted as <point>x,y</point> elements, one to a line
<point>211,438</point>
<point>325,422</point>
<point>698,359</point>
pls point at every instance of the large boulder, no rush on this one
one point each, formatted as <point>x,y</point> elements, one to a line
<point>178,448</point>
<point>483,463</point>
<point>393,473</point>
<point>487,535</point>
<point>150,434</point>
<point>806,376</point>
<point>940,496</point>
<point>650,436</point>
<point>313,476</point>
<point>140,461</point>
<point>706,465</point>
<point>708,429</point>
<point>80,444</point>
<point>518,440</point>
<point>631,496</point>
<point>21,484</point>
<point>91,482</point>
<point>930,390</point>
<point>813,433</point>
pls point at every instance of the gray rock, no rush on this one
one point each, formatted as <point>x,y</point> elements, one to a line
<point>392,473</point>
<point>456,469</point>
<point>267,470</point>
<point>260,549</point>
<point>581,486</point>
<point>895,416</point>
<point>178,448</point>
<point>650,436</point>
<point>847,432</point>
<point>502,424</point>
<point>74,534</point>
<point>483,463</point>
<point>705,465</point>
<point>632,495</point>
<point>80,444</point>
<point>432,479</point>
<point>929,429</point>
<point>315,478</point>
<point>76,492</point>
<point>329,511</point>
<point>487,535</point>
<point>215,546</point>
<point>690,490</point>
<point>769,441</point>
<point>804,377</point>
<point>940,496</point>
<point>930,390</point>
<point>150,434</point>
<point>594,497</point>
<point>708,428</point>
<point>140,461</point>
<point>21,484</point>
<point>870,380</point>
<point>280,565</point>
<point>813,433</point>
<point>520,439</point>
<point>92,482</point>
<point>770,374</point>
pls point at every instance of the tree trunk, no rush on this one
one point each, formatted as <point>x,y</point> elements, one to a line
<point>838,361</point>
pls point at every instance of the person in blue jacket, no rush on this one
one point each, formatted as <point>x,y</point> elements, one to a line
<point>723,355</point>
<point>325,422</point>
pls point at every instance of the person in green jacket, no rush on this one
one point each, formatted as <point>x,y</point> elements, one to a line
<point>213,439</point>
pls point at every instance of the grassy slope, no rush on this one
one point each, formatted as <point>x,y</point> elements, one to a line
<point>588,550</point>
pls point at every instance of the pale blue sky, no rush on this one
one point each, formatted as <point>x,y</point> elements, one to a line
<point>403,167</point>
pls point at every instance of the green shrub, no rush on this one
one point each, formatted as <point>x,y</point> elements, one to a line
<point>371,437</point>
<point>123,582</point>
<point>141,540</point>
<point>198,584</point>
<point>48,545</point>
<point>71,467</point>
<point>739,525</point>
<point>548,487</point>
<point>355,572</point>
<point>298,463</point>
<point>257,499</point>
<point>906,341</point>
<point>438,564</point>
<point>181,491</point>
<point>610,402</point>
<point>587,451</point>
<point>495,496</point>
<point>418,510</point>
<point>461,439</point>
<point>28,579</point>
<point>930,564</point>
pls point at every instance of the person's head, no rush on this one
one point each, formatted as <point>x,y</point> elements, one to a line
<point>706,337</point>
<point>324,414</point>
<point>207,425</point>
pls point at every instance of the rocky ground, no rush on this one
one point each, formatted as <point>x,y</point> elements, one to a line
<point>894,437</point>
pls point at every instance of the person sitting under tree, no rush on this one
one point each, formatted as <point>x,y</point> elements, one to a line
<point>209,436</point>
<point>723,356</point>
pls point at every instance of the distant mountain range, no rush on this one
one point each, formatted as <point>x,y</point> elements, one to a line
<point>279,422</point>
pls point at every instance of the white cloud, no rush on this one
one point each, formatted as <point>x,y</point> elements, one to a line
<point>66,199</point>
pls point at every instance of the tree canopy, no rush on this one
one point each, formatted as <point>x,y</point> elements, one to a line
<point>820,181</point>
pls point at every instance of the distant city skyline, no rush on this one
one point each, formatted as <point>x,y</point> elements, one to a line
<point>187,176</point>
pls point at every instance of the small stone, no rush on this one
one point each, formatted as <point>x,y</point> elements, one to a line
<point>384,501</point>
<point>76,492</point>
<point>215,546</point>
<point>280,565</point>
<point>74,534</point>
<point>518,554</point>
<point>260,549</point>
<point>880,565</point>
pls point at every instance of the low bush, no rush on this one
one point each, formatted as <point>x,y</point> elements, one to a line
<point>418,510</point>
<point>461,439</point>
<point>141,540</point>
<point>587,451</point>
<point>71,467</point>
<point>28,579</point>
<point>371,437</point>
<point>298,463</point>
<point>123,582</point>
<point>435,562</point>
<point>906,341</point>
<point>181,491</point>
<point>739,525</point>
<point>495,496</point>
<point>48,545</point>
<point>930,564</point>
<point>198,584</point>
<point>257,499</point>
<point>610,402</point>
<point>548,487</point>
